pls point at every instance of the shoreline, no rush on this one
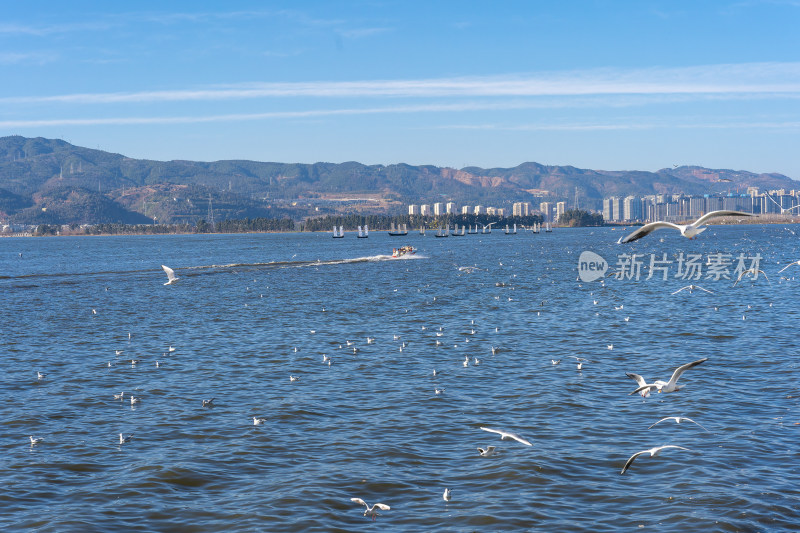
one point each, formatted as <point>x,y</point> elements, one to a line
<point>749,221</point>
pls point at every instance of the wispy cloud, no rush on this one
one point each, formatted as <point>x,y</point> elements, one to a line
<point>38,58</point>
<point>749,78</point>
<point>634,124</point>
<point>358,33</point>
<point>50,29</point>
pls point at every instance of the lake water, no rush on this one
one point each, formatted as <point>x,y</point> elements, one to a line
<point>252,310</point>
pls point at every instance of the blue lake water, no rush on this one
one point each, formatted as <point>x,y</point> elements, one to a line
<point>252,310</point>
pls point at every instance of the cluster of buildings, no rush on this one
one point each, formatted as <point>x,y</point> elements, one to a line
<point>550,211</point>
<point>679,207</point>
<point>450,208</point>
<point>668,207</point>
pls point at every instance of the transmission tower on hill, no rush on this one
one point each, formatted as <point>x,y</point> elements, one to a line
<point>210,211</point>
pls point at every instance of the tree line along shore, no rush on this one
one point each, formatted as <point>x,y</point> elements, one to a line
<point>571,218</point>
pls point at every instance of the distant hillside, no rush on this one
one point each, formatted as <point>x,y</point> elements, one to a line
<point>52,181</point>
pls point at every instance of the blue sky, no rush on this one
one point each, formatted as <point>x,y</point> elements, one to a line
<point>609,85</point>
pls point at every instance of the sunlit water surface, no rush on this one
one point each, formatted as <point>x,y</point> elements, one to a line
<point>252,310</point>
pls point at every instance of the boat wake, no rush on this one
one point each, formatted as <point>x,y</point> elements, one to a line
<point>209,269</point>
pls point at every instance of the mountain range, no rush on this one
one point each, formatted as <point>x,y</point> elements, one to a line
<point>50,181</point>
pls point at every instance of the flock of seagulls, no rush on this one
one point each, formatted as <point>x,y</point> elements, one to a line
<point>644,389</point>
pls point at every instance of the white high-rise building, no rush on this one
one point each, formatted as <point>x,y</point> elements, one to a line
<point>438,209</point>
<point>413,209</point>
<point>478,210</point>
<point>466,210</point>
<point>521,209</point>
<point>425,210</point>
<point>561,207</point>
<point>547,211</point>
<point>450,208</point>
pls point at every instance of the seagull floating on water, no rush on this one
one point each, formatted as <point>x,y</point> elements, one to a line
<point>293,378</point>
<point>488,452</point>
<point>36,440</point>
<point>672,384</point>
<point>171,277</point>
<point>447,495</point>
<point>119,396</point>
<point>371,510</point>
<point>678,420</point>
<point>40,376</point>
<point>124,438</point>
<point>257,421</point>
<point>208,403</point>
<point>134,400</point>
<point>507,435</point>
<point>652,451</point>
<point>689,231</point>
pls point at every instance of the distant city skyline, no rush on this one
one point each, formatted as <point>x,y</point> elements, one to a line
<point>611,86</point>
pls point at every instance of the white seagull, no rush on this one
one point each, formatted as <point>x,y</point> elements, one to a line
<point>36,440</point>
<point>783,211</point>
<point>171,277</point>
<point>787,266</point>
<point>488,452</point>
<point>257,421</point>
<point>678,420</point>
<point>40,376</point>
<point>447,495</point>
<point>641,382</point>
<point>652,451</point>
<point>507,435</point>
<point>371,510</point>
<point>753,272</point>
<point>123,438</point>
<point>209,403</point>
<point>691,288</point>
<point>689,231</point>
<point>119,396</point>
<point>672,384</point>
<point>293,378</point>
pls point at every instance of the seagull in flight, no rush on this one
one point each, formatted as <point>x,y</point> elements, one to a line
<point>678,420</point>
<point>641,382</point>
<point>689,231</point>
<point>787,266</point>
<point>672,384</point>
<point>691,288</point>
<point>783,211</point>
<point>371,510</point>
<point>753,272</point>
<point>507,435</point>
<point>652,451</point>
<point>171,277</point>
